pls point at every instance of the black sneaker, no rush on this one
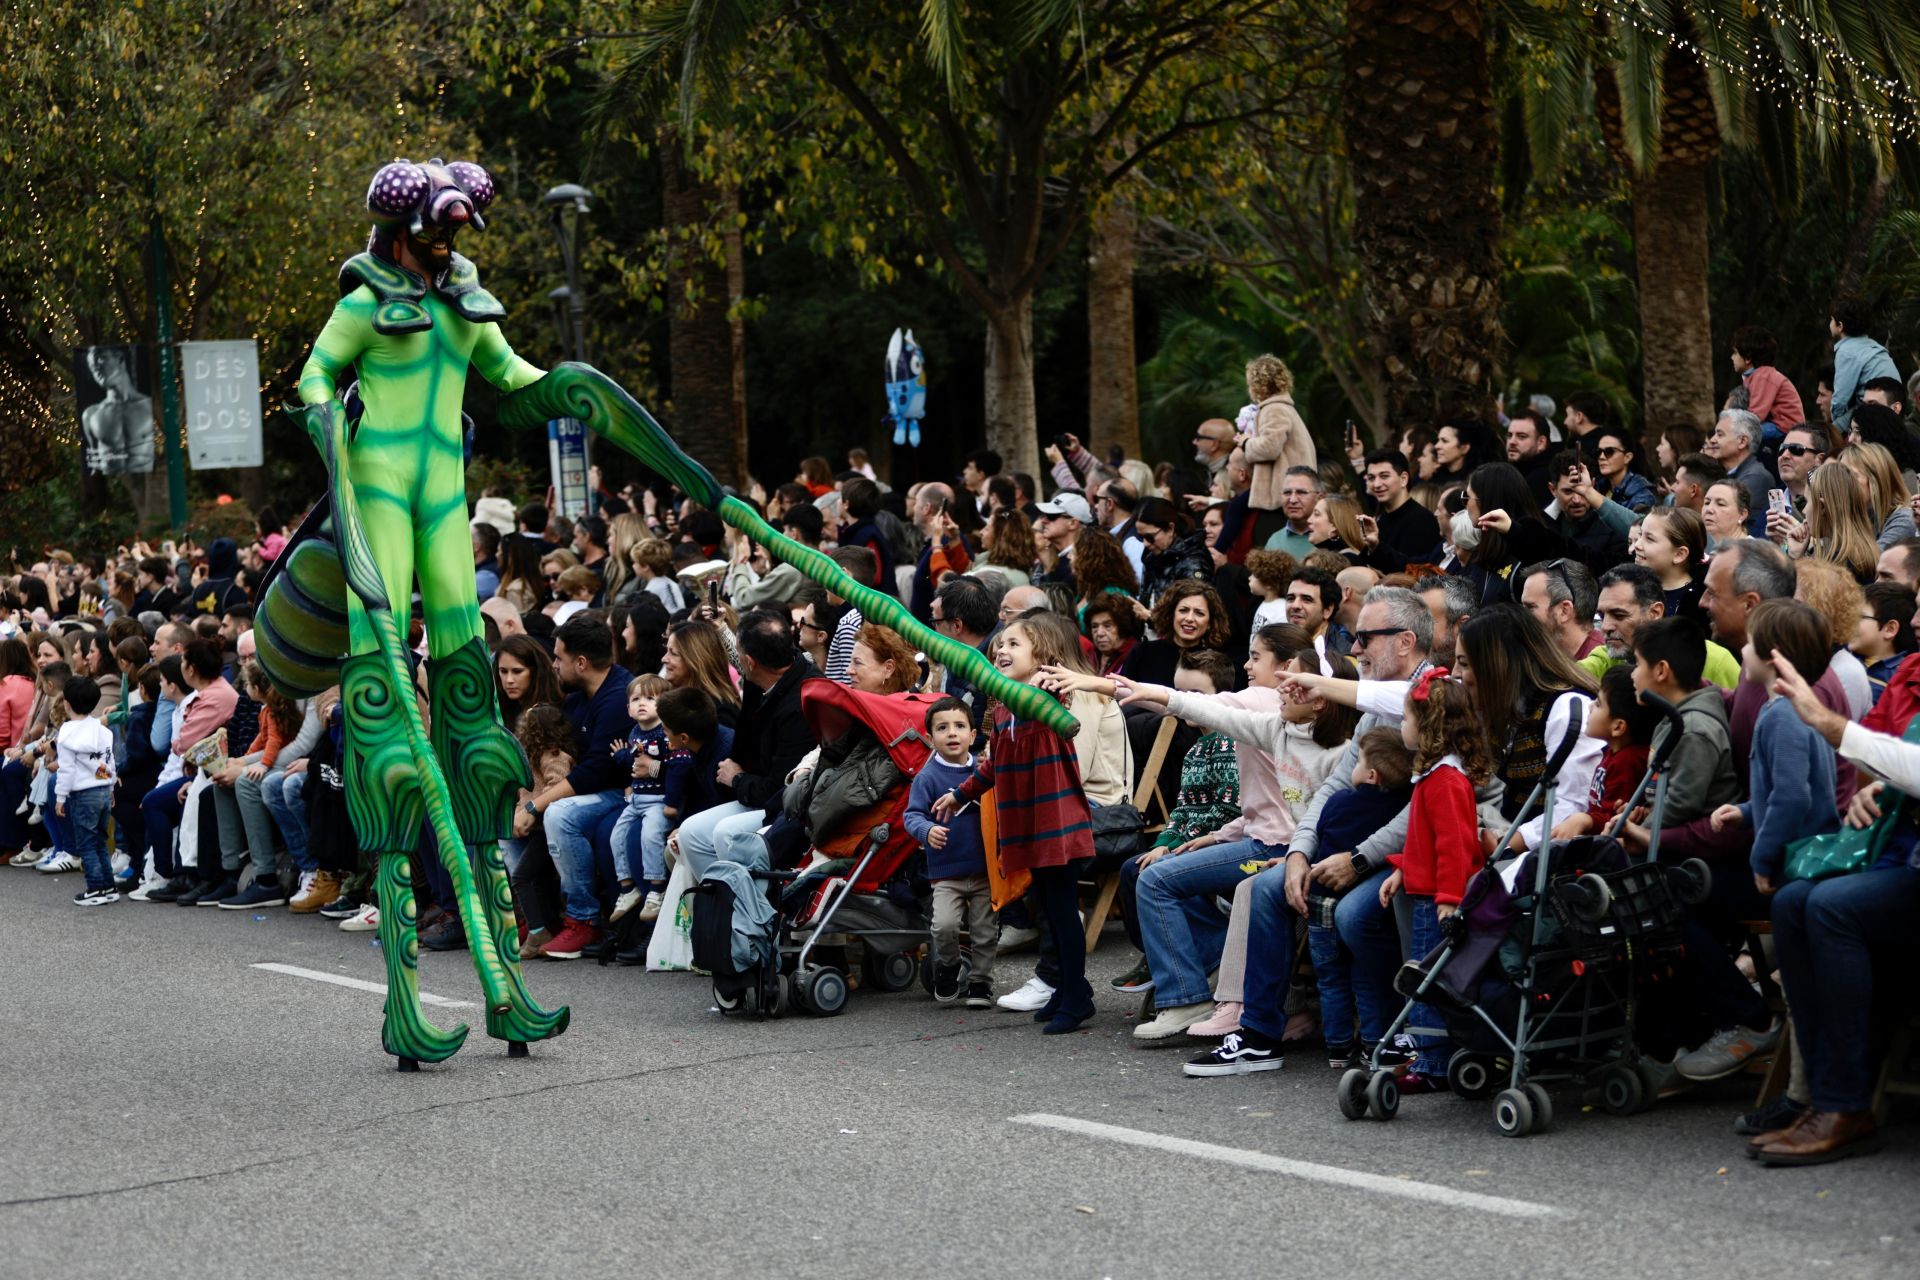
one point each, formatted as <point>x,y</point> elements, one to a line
<point>1340,1056</point>
<point>1135,980</point>
<point>1778,1114</point>
<point>261,893</point>
<point>341,909</point>
<point>217,893</point>
<point>172,890</point>
<point>1400,1053</point>
<point>1234,1056</point>
<point>979,994</point>
<point>946,983</point>
<point>209,891</point>
<point>448,935</point>
<point>631,957</point>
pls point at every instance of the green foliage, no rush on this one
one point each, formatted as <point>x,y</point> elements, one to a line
<point>509,478</point>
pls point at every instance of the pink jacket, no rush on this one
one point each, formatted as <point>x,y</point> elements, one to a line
<point>16,709</point>
<point>212,708</point>
<point>1771,398</point>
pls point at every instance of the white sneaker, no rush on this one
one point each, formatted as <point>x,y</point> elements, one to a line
<point>144,890</point>
<point>1168,1023</point>
<point>627,901</point>
<point>651,910</point>
<point>57,862</point>
<point>33,817</point>
<point>366,922</point>
<point>1029,998</point>
<point>1014,939</point>
<point>121,864</point>
<point>25,858</point>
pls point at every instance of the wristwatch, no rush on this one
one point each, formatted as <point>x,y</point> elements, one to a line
<point>1362,864</point>
<point>527,804</point>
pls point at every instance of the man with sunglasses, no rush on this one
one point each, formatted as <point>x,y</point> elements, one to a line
<point>1804,449</point>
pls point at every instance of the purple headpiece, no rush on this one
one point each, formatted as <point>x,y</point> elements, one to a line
<point>435,194</point>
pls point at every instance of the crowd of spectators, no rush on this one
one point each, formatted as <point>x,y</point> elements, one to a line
<point>1365,661</point>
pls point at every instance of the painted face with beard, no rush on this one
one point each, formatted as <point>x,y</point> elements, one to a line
<point>419,208</point>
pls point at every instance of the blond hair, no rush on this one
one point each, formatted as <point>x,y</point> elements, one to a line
<point>1267,376</point>
<point>1830,589</point>
<point>1886,487</point>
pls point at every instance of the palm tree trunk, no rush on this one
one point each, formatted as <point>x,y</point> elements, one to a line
<point>736,318</point>
<point>1113,396</point>
<point>703,413</point>
<point>1423,149</point>
<point>1012,420</point>
<point>1676,333</point>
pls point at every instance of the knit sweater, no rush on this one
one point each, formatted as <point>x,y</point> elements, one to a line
<point>1209,794</point>
<point>1791,773</point>
<point>963,854</point>
<point>1044,820</point>
<point>1281,766</point>
<point>1700,775</point>
<point>1443,837</point>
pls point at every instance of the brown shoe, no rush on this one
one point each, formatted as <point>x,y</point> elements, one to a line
<point>1824,1136</point>
<point>430,915</point>
<point>1761,1141</point>
<point>534,942</point>
<point>322,889</point>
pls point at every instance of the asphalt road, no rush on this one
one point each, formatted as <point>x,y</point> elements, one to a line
<point>175,1111</point>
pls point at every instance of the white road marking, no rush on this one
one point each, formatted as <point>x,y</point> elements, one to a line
<point>359,984</point>
<point>1406,1190</point>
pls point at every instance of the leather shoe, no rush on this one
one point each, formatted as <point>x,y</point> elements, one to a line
<point>1824,1136</point>
<point>1761,1141</point>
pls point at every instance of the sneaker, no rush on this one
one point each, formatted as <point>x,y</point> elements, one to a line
<point>1014,939</point>
<point>650,909</point>
<point>979,994</point>
<point>218,893</point>
<point>172,889</point>
<point>627,901</point>
<point>122,866</point>
<point>365,920</point>
<point>1170,1022</point>
<point>33,815</point>
<point>261,893</point>
<point>317,890</point>
<point>1725,1052</point>
<point>1029,998</point>
<point>946,983</point>
<point>144,891</point>
<point>1135,980</point>
<point>574,937</point>
<point>536,941</point>
<point>57,862</point>
<point>1233,1056</point>
<point>1225,1021</point>
<point>449,935</point>
<point>1341,1056</point>
<point>1776,1115</point>
<point>199,889</point>
<point>24,858</point>
<point>95,897</point>
<point>1400,1053</point>
<point>342,909</point>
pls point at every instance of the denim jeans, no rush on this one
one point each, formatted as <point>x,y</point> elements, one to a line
<point>1435,1047</point>
<point>1269,955</point>
<point>129,828</point>
<point>1824,935</point>
<point>1129,900</point>
<point>725,833</point>
<point>1181,928</point>
<point>161,811</point>
<point>570,824</point>
<point>642,829</point>
<point>285,797</point>
<point>14,779</point>
<point>86,822</point>
<point>1370,938</point>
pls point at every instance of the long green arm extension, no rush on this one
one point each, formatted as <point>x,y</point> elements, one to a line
<point>580,391</point>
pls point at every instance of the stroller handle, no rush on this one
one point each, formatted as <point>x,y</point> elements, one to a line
<point>1671,714</point>
<point>880,834</point>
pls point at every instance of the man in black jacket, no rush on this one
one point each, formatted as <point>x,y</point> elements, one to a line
<point>770,738</point>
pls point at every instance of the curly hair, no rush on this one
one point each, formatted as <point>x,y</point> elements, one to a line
<point>1828,587</point>
<point>1274,568</point>
<point>544,729</point>
<point>887,646</point>
<point>1268,375</point>
<point>1218,625</point>
<point>1100,565</point>
<point>1449,724</point>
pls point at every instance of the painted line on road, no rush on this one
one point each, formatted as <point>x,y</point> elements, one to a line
<point>1403,1188</point>
<point>360,984</point>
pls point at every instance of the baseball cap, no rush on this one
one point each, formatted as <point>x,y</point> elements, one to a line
<point>1067,504</point>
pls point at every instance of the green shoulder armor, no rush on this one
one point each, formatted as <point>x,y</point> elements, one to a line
<point>402,294</point>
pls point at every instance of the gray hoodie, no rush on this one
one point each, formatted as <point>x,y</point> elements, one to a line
<point>1700,776</point>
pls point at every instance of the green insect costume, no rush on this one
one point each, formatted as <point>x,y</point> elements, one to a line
<point>333,607</point>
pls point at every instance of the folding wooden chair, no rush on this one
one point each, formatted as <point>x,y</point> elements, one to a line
<point>1146,798</point>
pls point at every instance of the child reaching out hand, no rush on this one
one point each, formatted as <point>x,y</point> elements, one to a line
<point>956,859</point>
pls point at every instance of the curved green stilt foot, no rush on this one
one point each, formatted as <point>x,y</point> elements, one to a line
<point>406,1032</point>
<point>525,1020</point>
<point>580,391</point>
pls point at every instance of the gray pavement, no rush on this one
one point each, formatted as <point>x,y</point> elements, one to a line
<point>176,1112</point>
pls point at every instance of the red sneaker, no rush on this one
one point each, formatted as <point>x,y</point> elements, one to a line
<point>574,936</point>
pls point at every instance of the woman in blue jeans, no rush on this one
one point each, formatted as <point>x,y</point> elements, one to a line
<point>1825,933</point>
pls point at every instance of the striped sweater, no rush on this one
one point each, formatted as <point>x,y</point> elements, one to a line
<point>1043,817</point>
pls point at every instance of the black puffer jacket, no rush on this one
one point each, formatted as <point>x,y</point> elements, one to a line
<point>1186,558</point>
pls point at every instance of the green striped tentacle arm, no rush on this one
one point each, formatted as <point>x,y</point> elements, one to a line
<point>579,391</point>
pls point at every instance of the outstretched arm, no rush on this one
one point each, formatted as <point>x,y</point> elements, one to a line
<point>495,361</point>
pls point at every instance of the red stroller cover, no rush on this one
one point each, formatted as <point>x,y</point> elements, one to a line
<point>898,720</point>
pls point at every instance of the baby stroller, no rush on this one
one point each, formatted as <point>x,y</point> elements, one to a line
<point>1539,967</point>
<point>764,953</point>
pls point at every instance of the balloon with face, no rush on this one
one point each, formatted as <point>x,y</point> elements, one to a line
<point>906,388</point>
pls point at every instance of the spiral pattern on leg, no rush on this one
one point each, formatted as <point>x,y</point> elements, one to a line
<point>406,1032</point>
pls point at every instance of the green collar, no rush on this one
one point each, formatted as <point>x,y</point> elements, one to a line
<point>402,294</point>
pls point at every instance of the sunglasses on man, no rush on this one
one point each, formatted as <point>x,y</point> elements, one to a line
<point>1802,450</point>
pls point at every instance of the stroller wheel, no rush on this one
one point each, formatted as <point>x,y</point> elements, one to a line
<point>1353,1093</point>
<point>1513,1113</point>
<point>773,994</point>
<point>724,1002</point>
<point>1470,1074</point>
<point>1621,1090</point>
<point>1542,1106</point>
<point>1383,1095</point>
<point>893,971</point>
<point>1591,897</point>
<point>823,991</point>
<point>1691,880</point>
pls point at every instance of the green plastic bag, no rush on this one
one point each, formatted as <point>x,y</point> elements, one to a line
<point>1850,849</point>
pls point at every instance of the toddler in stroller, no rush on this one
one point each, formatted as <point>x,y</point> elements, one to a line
<point>763,934</point>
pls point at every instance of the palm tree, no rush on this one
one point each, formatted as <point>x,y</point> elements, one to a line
<point>704,343</point>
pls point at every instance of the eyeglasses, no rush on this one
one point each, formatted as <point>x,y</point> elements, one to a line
<point>809,626</point>
<point>1607,451</point>
<point>1802,450</point>
<point>1360,638</point>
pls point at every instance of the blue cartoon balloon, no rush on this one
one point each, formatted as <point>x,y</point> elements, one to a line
<point>906,388</point>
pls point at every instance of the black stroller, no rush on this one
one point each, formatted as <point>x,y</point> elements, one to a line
<point>1538,973</point>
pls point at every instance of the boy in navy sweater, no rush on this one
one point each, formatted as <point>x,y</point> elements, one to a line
<point>956,859</point>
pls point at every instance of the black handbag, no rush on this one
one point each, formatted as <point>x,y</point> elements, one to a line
<point>1119,833</point>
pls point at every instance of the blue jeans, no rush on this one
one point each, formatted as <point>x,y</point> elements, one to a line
<point>285,797</point>
<point>1435,1049</point>
<point>1182,930</point>
<point>725,833</point>
<point>571,824</point>
<point>161,810</point>
<point>86,820</point>
<point>1269,955</point>
<point>1370,948</point>
<point>642,829</point>
<point>1824,935</point>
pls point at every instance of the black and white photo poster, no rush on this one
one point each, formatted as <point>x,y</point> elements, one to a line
<point>114,390</point>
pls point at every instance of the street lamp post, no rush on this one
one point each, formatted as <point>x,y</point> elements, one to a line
<point>569,300</point>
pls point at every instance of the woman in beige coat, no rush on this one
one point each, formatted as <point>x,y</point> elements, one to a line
<point>1279,441</point>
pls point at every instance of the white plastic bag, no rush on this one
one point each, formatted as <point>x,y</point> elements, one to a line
<point>670,949</point>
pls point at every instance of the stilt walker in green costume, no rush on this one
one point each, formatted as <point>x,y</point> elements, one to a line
<point>411,320</point>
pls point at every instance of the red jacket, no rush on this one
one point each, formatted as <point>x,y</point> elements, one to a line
<point>1899,702</point>
<point>1044,819</point>
<point>16,709</point>
<point>1772,398</point>
<point>1443,836</point>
